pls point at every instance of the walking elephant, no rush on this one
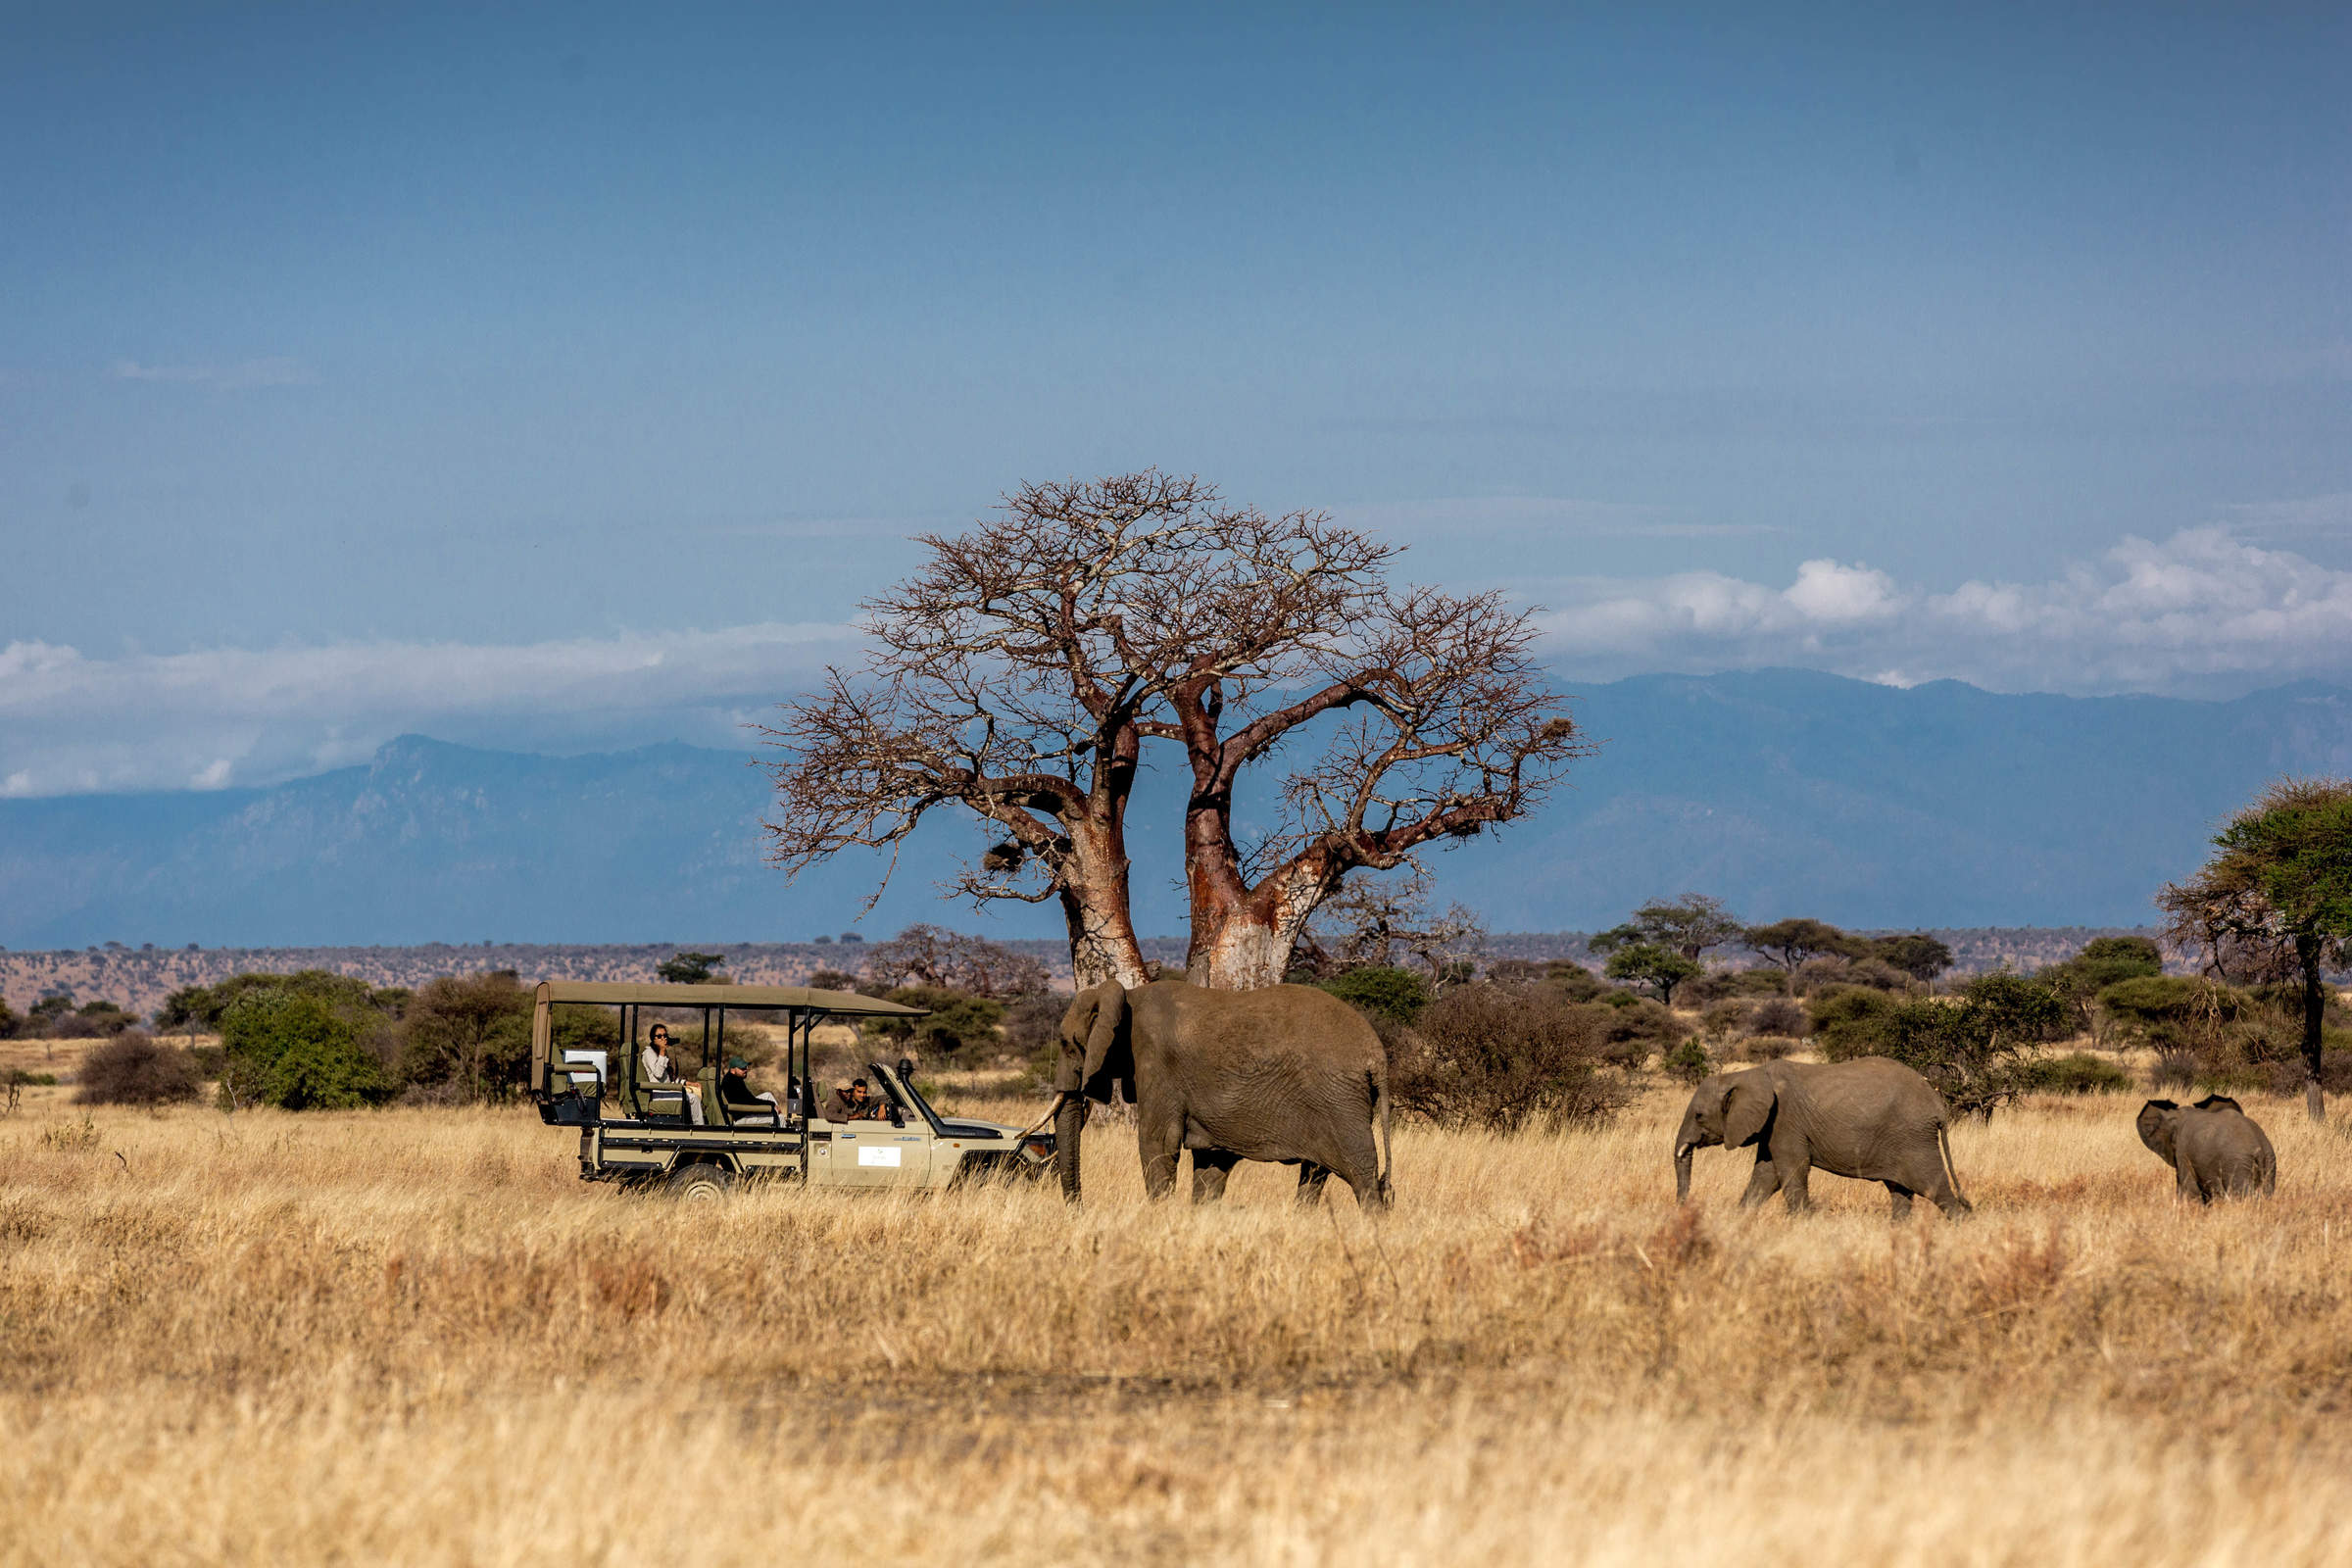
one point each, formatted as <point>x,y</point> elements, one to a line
<point>1288,1074</point>
<point>1870,1118</point>
<point>2215,1148</point>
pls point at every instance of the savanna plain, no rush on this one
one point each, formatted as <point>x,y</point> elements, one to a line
<point>417,1337</point>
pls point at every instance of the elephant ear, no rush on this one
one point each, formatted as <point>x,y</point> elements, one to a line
<point>1077,1023</point>
<point>2219,1102</point>
<point>2158,1120</point>
<point>1110,1053</point>
<point>1747,1102</point>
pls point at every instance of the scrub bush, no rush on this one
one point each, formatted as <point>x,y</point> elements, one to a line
<point>133,1069</point>
<point>1504,1057</point>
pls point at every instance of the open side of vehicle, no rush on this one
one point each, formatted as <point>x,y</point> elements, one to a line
<point>688,1133</point>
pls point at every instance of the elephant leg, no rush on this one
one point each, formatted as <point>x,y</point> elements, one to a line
<point>1902,1201</point>
<point>1939,1190</point>
<point>1794,1183</point>
<point>1160,1139</point>
<point>1311,1178</point>
<point>2185,1178</point>
<point>1762,1182</point>
<point>1210,1168</point>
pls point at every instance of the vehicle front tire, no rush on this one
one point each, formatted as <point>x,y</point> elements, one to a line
<point>700,1184</point>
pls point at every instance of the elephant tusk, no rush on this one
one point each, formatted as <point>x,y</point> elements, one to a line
<point>1053,1110</point>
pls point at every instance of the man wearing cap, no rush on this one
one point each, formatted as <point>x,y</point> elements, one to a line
<point>735,1093</point>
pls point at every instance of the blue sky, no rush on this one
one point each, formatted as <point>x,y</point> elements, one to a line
<point>564,377</point>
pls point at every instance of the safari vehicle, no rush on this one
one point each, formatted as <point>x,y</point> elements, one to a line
<point>639,1133</point>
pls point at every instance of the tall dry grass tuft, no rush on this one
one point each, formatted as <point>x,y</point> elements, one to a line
<point>415,1335</point>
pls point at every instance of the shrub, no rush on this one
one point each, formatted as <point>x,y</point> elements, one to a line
<point>307,1041</point>
<point>1032,1024</point>
<point>2145,1003</point>
<point>1845,1020</point>
<point>1968,1050</point>
<point>131,1069</point>
<point>1573,980</point>
<point>1821,973</point>
<point>10,1023</point>
<point>2075,1073</point>
<point>957,1021</point>
<point>469,1036</point>
<point>1726,1017</point>
<point>2173,1069</point>
<point>1718,984</point>
<point>1686,1062</point>
<point>1780,1018</point>
<point>1503,1057</point>
<point>1632,1027</point>
<point>2286,1076</point>
<point>832,979</point>
<point>1393,993</point>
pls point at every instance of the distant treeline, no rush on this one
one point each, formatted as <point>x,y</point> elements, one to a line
<point>138,979</point>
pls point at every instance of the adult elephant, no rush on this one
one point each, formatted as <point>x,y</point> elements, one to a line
<point>1870,1118</point>
<point>2215,1148</point>
<point>1288,1074</point>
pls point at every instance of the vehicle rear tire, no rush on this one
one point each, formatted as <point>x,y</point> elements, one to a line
<point>700,1184</point>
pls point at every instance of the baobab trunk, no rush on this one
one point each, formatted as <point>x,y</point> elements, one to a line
<point>1094,903</point>
<point>1244,943</point>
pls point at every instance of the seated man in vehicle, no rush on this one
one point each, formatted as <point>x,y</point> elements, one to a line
<point>658,1071</point>
<point>852,1101</point>
<point>736,1093</point>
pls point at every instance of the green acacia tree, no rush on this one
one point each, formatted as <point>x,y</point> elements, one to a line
<point>1647,963</point>
<point>1689,925</point>
<point>2274,901</point>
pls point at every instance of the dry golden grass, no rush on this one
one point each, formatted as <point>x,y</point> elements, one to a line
<point>417,1338</point>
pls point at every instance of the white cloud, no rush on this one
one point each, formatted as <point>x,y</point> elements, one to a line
<point>2202,612</point>
<point>244,375</point>
<point>2201,607</point>
<point>69,723</point>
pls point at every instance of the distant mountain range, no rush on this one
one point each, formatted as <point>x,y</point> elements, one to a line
<point>1783,792</point>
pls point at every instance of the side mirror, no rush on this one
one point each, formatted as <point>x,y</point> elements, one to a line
<point>898,1117</point>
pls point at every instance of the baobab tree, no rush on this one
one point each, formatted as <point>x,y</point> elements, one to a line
<point>1019,675</point>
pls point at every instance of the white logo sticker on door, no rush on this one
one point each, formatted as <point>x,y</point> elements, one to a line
<point>872,1155</point>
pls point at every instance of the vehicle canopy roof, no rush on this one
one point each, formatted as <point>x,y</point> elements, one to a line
<point>804,998</point>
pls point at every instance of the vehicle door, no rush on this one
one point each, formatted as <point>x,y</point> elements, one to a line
<point>873,1152</point>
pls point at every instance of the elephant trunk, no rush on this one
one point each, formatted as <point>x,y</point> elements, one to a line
<point>1682,1172</point>
<point>1069,1122</point>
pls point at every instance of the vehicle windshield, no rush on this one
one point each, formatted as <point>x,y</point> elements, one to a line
<point>905,1090</point>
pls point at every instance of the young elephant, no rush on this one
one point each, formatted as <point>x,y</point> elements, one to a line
<point>2215,1148</point>
<point>1871,1118</point>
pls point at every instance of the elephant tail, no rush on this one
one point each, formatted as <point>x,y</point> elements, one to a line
<point>1388,1132</point>
<point>1944,1142</point>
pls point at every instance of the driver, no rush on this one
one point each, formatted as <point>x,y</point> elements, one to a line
<point>852,1101</point>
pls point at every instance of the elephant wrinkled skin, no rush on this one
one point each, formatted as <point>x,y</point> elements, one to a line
<point>2215,1148</point>
<point>1288,1074</point>
<point>1870,1118</point>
